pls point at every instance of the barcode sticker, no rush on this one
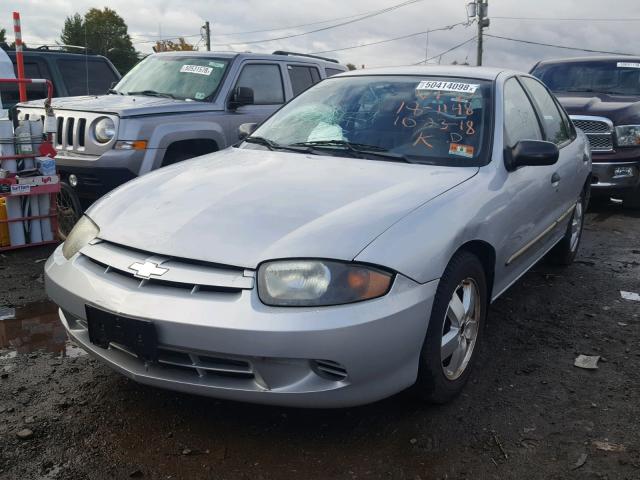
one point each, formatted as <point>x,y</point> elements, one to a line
<point>628,65</point>
<point>437,85</point>
<point>196,69</point>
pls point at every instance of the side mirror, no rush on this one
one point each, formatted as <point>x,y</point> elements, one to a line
<point>241,96</point>
<point>530,153</point>
<point>246,129</point>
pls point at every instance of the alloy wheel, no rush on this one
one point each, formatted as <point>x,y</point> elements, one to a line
<point>576,226</point>
<point>460,329</point>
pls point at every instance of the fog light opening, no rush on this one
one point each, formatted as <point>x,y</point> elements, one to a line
<point>623,172</point>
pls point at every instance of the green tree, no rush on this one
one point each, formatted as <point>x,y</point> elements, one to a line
<point>3,35</point>
<point>168,46</point>
<point>351,66</point>
<point>103,32</point>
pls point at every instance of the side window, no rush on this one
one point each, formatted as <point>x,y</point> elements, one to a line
<point>520,120</point>
<point>86,77</point>
<point>556,130</point>
<point>265,81</point>
<point>332,71</point>
<point>302,78</point>
<point>32,69</point>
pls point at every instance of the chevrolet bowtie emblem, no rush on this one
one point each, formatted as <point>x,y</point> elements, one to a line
<point>147,269</point>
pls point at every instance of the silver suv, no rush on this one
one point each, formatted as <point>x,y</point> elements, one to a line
<point>170,107</point>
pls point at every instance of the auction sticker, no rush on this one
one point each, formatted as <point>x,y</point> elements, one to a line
<point>628,65</point>
<point>196,69</point>
<point>20,189</point>
<point>461,150</point>
<point>437,85</point>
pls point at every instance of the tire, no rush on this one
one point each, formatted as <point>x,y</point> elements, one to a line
<point>439,379</point>
<point>632,200</point>
<point>564,253</point>
<point>69,209</point>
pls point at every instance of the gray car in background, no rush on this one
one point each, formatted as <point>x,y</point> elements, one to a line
<point>170,107</point>
<point>349,248</point>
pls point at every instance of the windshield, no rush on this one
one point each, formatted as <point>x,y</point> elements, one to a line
<point>180,77</point>
<point>419,119</point>
<point>612,77</point>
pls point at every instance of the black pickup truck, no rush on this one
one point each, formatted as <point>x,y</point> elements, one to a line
<point>602,96</point>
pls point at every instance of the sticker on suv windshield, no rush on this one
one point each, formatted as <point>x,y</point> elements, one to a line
<point>196,69</point>
<point>437,85</point>
<point>628,65</point>
<point>217,64</point>
<point>461,150</point>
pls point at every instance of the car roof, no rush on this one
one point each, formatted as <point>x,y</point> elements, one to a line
<point>256,56</point>
<point>52,55</point>
<point>481,73</point>
<point>593,58</point>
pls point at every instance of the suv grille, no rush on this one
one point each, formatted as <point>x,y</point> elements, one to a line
<point>599,131</point>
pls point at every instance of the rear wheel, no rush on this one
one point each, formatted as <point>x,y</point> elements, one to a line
<point>632,200</point>
<point>455,329</point>
<point>564,253</point>
<point>69,209</point>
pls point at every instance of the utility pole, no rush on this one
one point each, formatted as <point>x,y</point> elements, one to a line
<point>482,12</point>
<point>207,33</point>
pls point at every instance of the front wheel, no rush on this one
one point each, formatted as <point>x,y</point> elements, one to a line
<point>632,200</point>
<point>455,329</point>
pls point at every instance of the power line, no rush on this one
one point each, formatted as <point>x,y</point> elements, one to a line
<point>558,46</point>
<point>448,27</point>
<point>631,19</point>
<point>472,39</point>
<point>373,14</point>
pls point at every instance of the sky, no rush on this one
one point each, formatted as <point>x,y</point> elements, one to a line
<point>613,25</point>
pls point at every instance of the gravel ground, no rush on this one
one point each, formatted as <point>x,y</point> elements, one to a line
<point>528,413</point>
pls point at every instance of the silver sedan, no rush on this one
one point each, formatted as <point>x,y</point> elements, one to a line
<point>346,249</point>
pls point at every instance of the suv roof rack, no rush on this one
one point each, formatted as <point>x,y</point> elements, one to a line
<point>282,52</point>
<point>50,48</point>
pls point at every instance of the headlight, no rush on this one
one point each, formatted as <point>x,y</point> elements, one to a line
<point>628,135</point>
<point>297,283</point>
<point>104,130</point>
<point>82,233</point>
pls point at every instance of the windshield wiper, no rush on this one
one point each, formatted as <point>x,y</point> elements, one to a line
<point>357,149</point>
<point>152,93</point>
<point>113,91</point>
<point>271,145</point>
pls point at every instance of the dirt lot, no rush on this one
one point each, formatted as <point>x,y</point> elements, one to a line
<point>529,413</point>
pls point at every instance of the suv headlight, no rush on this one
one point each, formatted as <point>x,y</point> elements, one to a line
<point>82,233</point>
<point>302,283</point>
<point>628,135</point>
<point>104,130</point>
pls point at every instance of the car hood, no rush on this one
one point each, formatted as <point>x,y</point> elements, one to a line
<point>240,207</point>
<point>123,105</point>
<point>620,109</point>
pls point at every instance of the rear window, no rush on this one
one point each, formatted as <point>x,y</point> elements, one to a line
<point>302,78</point>
<point>609,77</point>
<point>86,77</point>
<point>332,71</point>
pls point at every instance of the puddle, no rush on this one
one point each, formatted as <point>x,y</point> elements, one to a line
<point>35,327</point>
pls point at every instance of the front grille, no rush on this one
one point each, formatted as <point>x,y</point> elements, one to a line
<point>599,131</point>
<point>194,277</point>
<point>69,136</point>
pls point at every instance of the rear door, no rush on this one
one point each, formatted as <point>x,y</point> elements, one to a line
<point>302,77</point>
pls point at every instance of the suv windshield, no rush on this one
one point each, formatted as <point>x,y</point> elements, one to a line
<point>612,77</point>
<point>180,77</point>
<point>418,119</point>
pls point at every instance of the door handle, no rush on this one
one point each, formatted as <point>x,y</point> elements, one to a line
<point>555,179</point>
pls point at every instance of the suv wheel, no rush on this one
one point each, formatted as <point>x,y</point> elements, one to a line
<point>455,329</point>
<point>632,200</point>
<point>69,209</point>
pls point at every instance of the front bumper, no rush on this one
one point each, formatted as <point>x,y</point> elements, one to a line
<point>98,175</point>
<point>376,343</point>
<point>610,178</point>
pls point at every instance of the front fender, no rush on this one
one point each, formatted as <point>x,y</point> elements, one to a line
<point>164,135</point>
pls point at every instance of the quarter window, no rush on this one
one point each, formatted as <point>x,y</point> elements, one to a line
<point>302,78</point>
<point>555,128</point>
<point>332,71</point>
<point>265,81</point>
<point>520,121</point>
